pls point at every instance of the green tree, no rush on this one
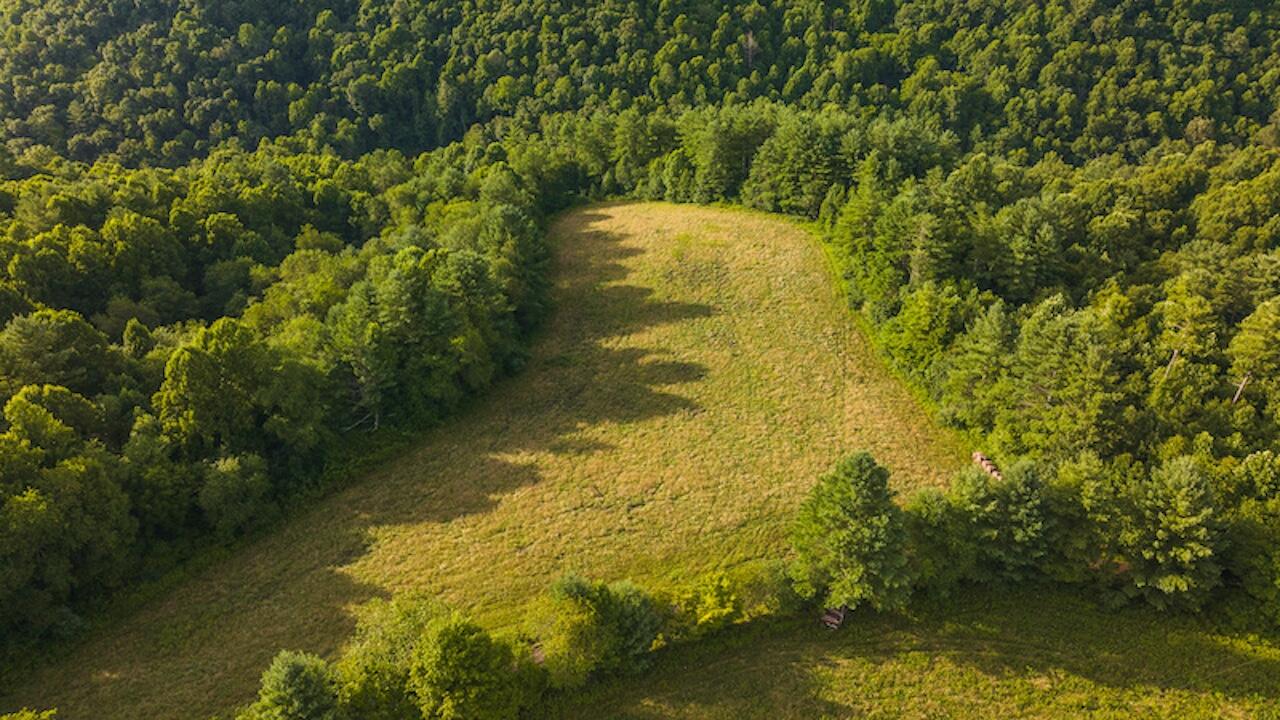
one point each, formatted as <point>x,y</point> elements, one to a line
<point>849,539</point>
<point>297,686</point>
<point>798,165</point>
<point>1005,520</point>
<point>1255,353</point>
<point>1174,536</point>
<point>460,673</point>
<point>970,388</point>
<point>589,628</point>
<point>1252,554</point>
<point>940,548</point>
<point>1064,391</point>
<point>54,347</point>
<point>235,494</point>
<point>376,663</point>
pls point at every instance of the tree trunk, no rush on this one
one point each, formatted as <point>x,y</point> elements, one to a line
<point>1240,389</point>
<point>1172,359</point>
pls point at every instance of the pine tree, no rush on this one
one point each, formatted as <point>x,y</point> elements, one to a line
<point>850,539</point>
<point>1174,536</point>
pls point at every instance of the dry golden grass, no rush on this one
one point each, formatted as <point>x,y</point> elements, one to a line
<point>700,371</point>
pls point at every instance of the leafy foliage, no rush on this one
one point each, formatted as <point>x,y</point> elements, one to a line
<point>849,539</point>
<point>592,628</point>
<point>460,672</point>
<point>230,233</point>
<point>297,686</point>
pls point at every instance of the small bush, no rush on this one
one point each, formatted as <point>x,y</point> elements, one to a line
<point>596,628</point>
<point>297,686</point>
<point>636,622</point>
<point>1253,555</point>
<point>940,549</point>
<point>1072,541</point>
<point>460,673</point>
<point>702,608</point>
<point>764,590</point>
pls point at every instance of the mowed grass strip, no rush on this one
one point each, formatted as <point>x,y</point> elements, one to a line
<point>987,653</point>
<point>699,372</point>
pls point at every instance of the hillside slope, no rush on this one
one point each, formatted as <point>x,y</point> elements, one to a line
<point>699,372</point>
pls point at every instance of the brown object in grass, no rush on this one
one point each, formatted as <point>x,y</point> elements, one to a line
<point>987,464</point>
<point>833,618</point>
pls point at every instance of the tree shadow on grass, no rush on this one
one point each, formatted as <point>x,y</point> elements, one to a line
<point>1042,630</point>
<point>1031,639</point>
<point>577,378</point>
<point>198,645</point>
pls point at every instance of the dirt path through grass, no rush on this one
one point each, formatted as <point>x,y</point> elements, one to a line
<point>700,371</point>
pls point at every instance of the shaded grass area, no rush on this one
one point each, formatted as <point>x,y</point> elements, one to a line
<point>1029,653</point>
<point>697,375</point>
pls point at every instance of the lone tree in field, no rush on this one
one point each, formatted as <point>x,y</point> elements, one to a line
<point>850,539</point>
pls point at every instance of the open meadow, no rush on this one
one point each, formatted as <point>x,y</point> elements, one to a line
<point>699,372</point>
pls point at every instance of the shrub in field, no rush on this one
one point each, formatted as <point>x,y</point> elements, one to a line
<point>940,551</point>
<point>459,672</point>
<point>1077,504</point>
<point>702,608</point>
<point>1253,554</point>
<point>589,627</point>
<point>635,622</point>
<point>764,590</point>
<point>297,686</point>
<point>374,672</point>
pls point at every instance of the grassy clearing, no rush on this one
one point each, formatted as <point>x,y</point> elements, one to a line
<point>1033,653</point>
<point>699,372</point>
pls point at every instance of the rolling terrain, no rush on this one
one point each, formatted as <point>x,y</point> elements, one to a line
<point>700,370</point>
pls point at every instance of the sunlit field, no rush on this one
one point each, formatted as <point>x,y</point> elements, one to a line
<point>698,373</point>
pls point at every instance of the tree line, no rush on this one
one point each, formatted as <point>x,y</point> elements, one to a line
<point>185,351</point>
<point>854,544</point>
<point>411,657</point>
<point>1114,325</point>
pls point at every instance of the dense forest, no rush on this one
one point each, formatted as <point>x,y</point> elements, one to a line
<point>235,232</point>
<point>160,81</point>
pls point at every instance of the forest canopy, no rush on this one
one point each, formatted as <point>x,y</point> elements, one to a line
<point>161,81</point>
<point>231,233</point>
